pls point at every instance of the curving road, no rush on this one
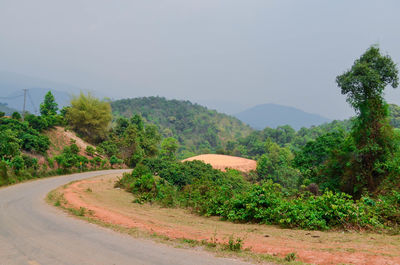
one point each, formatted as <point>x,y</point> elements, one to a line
<point>33,232</point>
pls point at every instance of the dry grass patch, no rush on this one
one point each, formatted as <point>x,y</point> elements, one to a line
<point>222,162</point>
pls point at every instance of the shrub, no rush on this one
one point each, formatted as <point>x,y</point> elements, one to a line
<point>235,245</point>
<point>16,116</point>
<point>17,163</point>
<point>114,161</point>
<point>90,151</point>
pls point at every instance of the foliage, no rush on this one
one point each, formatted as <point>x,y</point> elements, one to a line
<point>38,123</point>
<point>17,163</point>
<point>89,117</point>
<point>169,146</point>
<point>115,161</point>
<point>235,244</point>
<point>187,184</point>
<point>312,159</point>
<point>253,146</point>
<point>49,107</point>
<point>90,150</point>
<point>108,148</point>
<point>197,129</point>
<point>132,140</point>
<point>373,137</point>
<point>290,257</point>
<point>16,116</point>
<point>276,164</point>
<point>70,159</point>
<point>17,135</point>
<point>212,192</point>
<point>9,143</point>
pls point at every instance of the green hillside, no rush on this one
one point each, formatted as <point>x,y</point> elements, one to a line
<point>198,129</point>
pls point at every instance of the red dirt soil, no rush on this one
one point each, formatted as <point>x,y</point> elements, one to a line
<point>60,137</point>
<point>222,162</point>
<point>114,206</point>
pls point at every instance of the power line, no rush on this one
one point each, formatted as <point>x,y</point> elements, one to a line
<point>23,109</point>
<point>12,97</point>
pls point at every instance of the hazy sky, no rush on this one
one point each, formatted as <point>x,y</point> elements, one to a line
<point>230,53</point>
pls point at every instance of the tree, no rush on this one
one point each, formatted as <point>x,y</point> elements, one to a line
<point>89,117</point>
<point>16,116</point>
<point>275,164</point>
<point>311,159</point>
<point>169,146</point>
<point>48,111</point>
<point>363,85</point>
<point>49,107</point>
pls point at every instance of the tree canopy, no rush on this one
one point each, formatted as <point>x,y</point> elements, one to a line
<point>49,106</point>
<point>89,117</point>
<point>363,85</point>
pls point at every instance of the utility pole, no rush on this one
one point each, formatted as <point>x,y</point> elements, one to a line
<point>23,109</point>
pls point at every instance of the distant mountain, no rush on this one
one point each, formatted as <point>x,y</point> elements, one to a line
<point>6,109</point>
<point>198,129</point>
<point>13,82</point>
<point>12,85</point>
<point>272,115</point>
<point>35,96</point>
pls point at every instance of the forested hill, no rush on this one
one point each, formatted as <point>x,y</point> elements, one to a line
<point>198,129</point>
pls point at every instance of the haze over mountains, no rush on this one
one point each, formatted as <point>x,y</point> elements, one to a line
<point>258,117</point>
<point>273,115</point>
<point>12,85</point>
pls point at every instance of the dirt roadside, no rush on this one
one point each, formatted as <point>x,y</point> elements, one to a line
<point>115,206</point>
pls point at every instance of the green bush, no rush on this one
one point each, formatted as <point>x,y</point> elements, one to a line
<point>22,136</point>
<point>17,163</point>
<point>210,192</point>
<point>90,151</point>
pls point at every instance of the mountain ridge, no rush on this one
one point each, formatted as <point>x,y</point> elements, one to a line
<point>274,115</point>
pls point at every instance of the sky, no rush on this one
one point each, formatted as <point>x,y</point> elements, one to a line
<point>226,54</point>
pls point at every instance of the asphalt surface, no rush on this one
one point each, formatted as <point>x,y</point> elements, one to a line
<point>33,232</point>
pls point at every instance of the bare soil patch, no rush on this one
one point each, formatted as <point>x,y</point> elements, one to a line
<point>60,138</point>
<point>115,206</point>
<point>222,162</point>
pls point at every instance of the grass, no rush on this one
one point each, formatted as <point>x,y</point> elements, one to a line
<point>290,257</point>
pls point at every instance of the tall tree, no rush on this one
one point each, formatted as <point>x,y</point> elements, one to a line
<point>89,117</point>
<point>363,85</point>
<point>49,106</point>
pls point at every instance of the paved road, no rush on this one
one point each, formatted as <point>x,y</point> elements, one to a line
<point>33,232</point>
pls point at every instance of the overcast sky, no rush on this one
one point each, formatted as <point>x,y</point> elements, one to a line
<point>228,54</point>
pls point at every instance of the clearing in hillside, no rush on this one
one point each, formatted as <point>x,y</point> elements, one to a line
<point>222,162</point>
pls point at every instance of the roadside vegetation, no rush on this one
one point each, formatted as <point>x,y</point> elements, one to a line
<point>24,144</point>
<point>340,175</point>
